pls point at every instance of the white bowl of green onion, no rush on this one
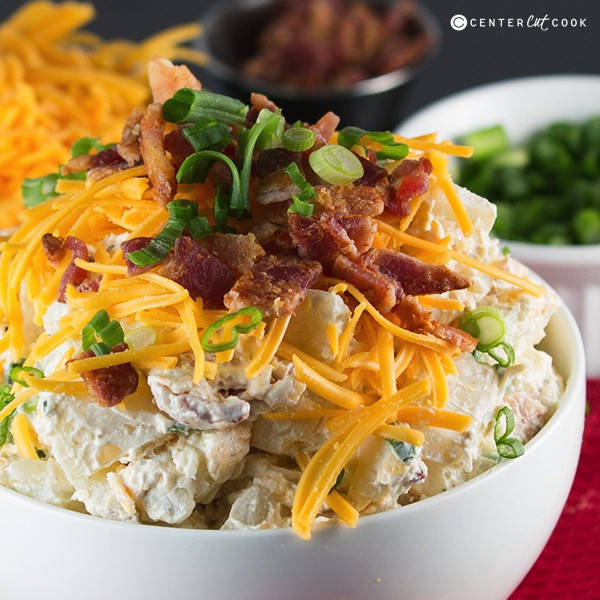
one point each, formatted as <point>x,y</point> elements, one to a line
<point>537,157</point>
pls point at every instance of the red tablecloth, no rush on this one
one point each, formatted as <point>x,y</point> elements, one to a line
<point>569,567</point>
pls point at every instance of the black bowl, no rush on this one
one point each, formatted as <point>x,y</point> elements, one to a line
<point>229,37</point>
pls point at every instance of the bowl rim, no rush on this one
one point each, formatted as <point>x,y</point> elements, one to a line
<point>583,254</point>
<point>575,380</point>
<point>375,85</point>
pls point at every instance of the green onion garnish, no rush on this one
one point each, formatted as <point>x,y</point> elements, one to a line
<point>183,209</point>
<point>351,136</point>
<point>36,190</point>
<point>140,337</point>
<point>189,106</point>
<point>404,451</point>
<point>255,318</point>
<point>199,227</point>
<point>158,248</point>
<point>84,145</point>
<point>300,202</point>
<point>298,139</point>
<point>110,333</point>
<point>336,165</point>
<point>270,136</point>
<point>5,399</point>
<point>504,424</point>
<point>487,325</point>
<point>16,370</point>
<point>207,133</point>
<point>338,481</point>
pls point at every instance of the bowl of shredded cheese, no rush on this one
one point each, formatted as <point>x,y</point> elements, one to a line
<point>278,360</point>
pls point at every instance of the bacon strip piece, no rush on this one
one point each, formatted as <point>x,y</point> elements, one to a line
<point>110,385</point>
<point>349,200</point>
<point>360,229</point>
<point>412,276</point>
<point>238,252</point>
<point>129,146</point>
<point>165,79</point>
<point>200,272</point>
<point>152,147</point>
<point>54,248</point>
<point>414,181</point>
<point>73,275</point>
<point>276,285</point>
<point>86,162</point>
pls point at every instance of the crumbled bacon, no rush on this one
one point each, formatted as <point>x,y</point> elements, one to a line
<point>178,147</point>
<point>376,287</point>
<point>360,229</point>
<point>319,239</point>
<point>274,159</point>
<point>373,174</point>
<point>257,103</point>
<point>129,145</point>
<point>324,128</point>
<point>73,274</point>
<point>348,200</point>
<point>414,277</point>
<point>276,187</point>
<point>110,385</point>
<point>272,231</point>
<point>133,245</point>
<point>200,272</point>
<point>87,162</point>
<point>413,176</point>
<point>54,248</point>
<point>276,285</point>
<point>152,146</point>
<point>237,252</point>
<point>165,79</point>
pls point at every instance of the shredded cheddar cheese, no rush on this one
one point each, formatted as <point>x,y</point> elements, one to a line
<point>59,83</point>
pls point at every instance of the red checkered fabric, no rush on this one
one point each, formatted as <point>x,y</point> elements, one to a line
<point>569,566</point>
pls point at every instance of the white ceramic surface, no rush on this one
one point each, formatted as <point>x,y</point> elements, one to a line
<point>475,542</point>
<point>523,106</point>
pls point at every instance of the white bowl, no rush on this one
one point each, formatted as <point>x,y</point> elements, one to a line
<point>523,106</point>
<point>476,541</point>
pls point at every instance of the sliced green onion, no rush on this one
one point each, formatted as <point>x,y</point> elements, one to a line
<point>140,337</point>
<point>100,349</point>
<point>240,205</point>
<point>199,227</point>
<point>338,481</point>
<point>300,202</point>
<point>183,209</point>
<point>158,248</point>
<point>255,318</point>
<point>85,145</point>
<point>189,106</point>
<point>270,136</point>
<point>504,424</point>
<point>404,451</point>
<point>221,204</point>
<point>509,354</point>
<point>5,399</point>
<point>390,148</point>
<point>36,190</point>
<point>486,324</point>
<point>207,133</point>
<point>336,165</point>
<point>16,370</point>
<point>298,139</point>
<point>100,326</point>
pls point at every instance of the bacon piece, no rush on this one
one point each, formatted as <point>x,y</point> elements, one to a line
<point>165,79</point>
<point>131,246</point>
<point>350,200</point>
<point>110,385</point>
<point>412,316</point>
<point>54,248</point>
<point>321,240</point>
<point>152,146</point>
<point>73,275</point>
<point>129,146</point>
<point>373,174</point>
<point>272,232</point>
<point>276,285</point>
<point>413,276</point>
<point>360,229</point>
<point>276,187</point>
<point>377,288</point>
<point>257,103</point>
<point>237,252</point>
<point>87,162</point>
<point>200,272</point>
<point>178,147</point>
<point>324,128</point>
<point>414,181</point>
<point>273,159</point>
